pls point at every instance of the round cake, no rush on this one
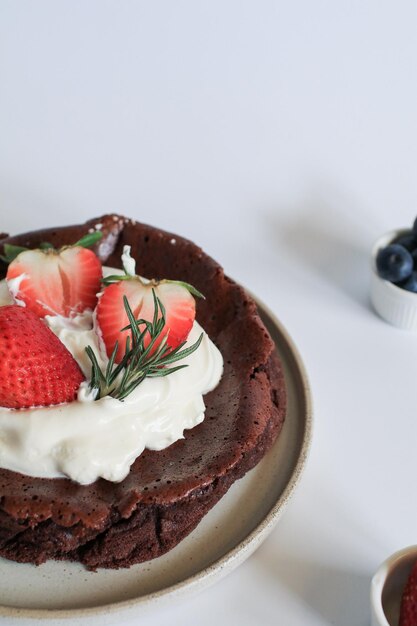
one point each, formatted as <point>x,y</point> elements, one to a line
<point>167,492</point>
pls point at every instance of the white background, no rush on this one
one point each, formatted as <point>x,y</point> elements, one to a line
<point>281,137</point>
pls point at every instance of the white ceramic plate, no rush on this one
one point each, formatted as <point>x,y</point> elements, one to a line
<point>226,536</point>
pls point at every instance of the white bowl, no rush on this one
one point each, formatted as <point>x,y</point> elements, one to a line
<point>388,585</point>
<point>395,305</point>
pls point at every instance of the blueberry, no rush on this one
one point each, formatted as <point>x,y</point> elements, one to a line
<point>411,283</point>
<point>408,241</point>
<point>394,263</point>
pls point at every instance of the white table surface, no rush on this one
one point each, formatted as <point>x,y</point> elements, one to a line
<point>282,137</point>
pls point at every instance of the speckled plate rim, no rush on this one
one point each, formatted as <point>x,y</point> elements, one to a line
<point>234,557</point>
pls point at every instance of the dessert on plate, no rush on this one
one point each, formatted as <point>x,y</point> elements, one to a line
<point>106,456</point>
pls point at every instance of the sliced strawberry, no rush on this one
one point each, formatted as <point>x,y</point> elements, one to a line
<point>36,369</point>
<point>55,283</point>
<point>408,612</point>
<point>112,318</point>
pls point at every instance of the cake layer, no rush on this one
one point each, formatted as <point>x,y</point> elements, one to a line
<point>166,493</point>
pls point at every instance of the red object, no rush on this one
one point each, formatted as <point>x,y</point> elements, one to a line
<point>408,612</point>
<point>111,314</point>
<point>56,283</point>
<point>36,369</point>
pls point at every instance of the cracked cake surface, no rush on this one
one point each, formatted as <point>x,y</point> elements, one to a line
<point>166,493</point>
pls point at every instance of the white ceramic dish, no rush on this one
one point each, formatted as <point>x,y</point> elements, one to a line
<point>232,530</point>
<point>388,585</point>
<point>395,305</point>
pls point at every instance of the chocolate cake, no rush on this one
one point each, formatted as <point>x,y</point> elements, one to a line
<point>168,492</point>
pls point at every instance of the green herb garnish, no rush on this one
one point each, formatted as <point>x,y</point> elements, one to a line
<point>141,358</point>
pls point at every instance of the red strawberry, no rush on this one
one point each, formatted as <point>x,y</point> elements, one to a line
<point>36,369</point>
<point>56,283</point>
<point>111,314</point>
<point>408,612</point>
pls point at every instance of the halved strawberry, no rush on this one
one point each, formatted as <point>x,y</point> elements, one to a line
<point>36,369</point>
<point>111,314</point>
<point>51,282</point>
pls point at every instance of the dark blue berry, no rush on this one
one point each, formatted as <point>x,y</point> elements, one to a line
<point>394,263</point>
<point>411,283</point>
<point>408,241</point>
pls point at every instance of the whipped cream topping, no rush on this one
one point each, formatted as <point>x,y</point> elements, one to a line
<point>13,286</point>
<point>87,439</point>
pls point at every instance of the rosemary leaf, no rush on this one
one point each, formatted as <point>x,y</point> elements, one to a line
<point>146,355</point>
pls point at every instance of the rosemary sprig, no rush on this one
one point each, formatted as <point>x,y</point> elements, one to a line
<point>138,362</point>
